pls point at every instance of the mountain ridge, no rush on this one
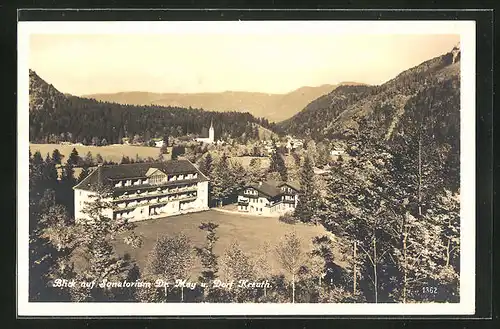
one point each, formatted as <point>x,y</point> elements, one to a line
<point>272,106</point>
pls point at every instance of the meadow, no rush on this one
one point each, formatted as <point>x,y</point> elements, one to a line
<point>108,153</point>
<point>252,233</point>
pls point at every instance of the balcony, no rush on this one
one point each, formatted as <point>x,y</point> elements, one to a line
<point>154,193</point>
<point>243,202</point>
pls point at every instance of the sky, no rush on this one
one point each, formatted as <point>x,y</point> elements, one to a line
<point>82,64</point>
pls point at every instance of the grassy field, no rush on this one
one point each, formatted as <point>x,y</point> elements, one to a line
<point>250,232</point>
<point>245,161</point>
<point>109,153</point>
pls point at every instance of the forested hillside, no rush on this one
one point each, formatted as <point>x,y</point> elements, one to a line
<point>55,117</point>
<point>431,87</point>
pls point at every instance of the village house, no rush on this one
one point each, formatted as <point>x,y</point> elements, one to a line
<point>142,191</point>
<point>337,152</point>
<point>293,143</point>
<point>269,198</point>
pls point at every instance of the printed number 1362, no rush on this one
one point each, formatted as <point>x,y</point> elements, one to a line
<point>429,290</point>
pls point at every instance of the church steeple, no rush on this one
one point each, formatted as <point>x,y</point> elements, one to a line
<point>211,132</point>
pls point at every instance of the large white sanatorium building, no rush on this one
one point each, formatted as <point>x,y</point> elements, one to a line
<point>142,191</point>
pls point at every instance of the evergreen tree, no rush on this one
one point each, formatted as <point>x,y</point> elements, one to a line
<point>209,262</point>
<point>312,151</point>
<point>308,197</point>
<point>206,163</point>
<point>221,180</point>
<point>278,164</point>
<point>177,151</point>
<point>256,172</point>
<point>88,160</point>
<point>240,177</point>
<point>57,157</point>
<point>97,234</point>
<point>99,159</point>
<point>50,177</point>
<point>62,234</point>
<point>125,160</point>
<point>84,173</point>
<point>74,159</point>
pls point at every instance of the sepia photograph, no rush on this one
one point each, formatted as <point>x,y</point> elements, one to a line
<point>246,167</point>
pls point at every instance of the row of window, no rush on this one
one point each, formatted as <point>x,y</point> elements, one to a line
<point>155,179</point>
<point>251,208</point>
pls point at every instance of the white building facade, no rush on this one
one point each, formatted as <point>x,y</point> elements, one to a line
<point>142,191</point>
<point>269,198</point>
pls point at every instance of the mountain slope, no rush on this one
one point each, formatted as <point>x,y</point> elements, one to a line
<point>55,116</point>
<point>388,107</point>
<point>274,107</point>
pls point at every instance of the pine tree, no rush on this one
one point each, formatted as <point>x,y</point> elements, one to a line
<point>277,164</point>
<point>308,197</point>
<point>40,250</point>
<point>206,163</point>
<point>209,262</point>
<point>62,235</point>
<point>74,159</point>
<point>97,233</point>
<point>240,177</point>
<point>99,159</point>
<point>312,151</point>
<point>50,177</point>
<point>88,160</point>
<point>221,180</point>
<point>256,172</point>
<point>125,160</point>
<point>57,157</point>
<point>83,174</point>
<point>358,208</point>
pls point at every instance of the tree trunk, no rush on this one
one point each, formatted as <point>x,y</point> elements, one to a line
<point>182,294</point>
<point>448,252</point>
<point>375,269</point>
<point>355,274</point>
<point>293,288</point>
<point>420,173</point>
<point>405,277</point>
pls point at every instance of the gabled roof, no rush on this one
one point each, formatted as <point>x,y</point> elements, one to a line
<point>109,173</point>
<point>272,187</point>
<point>266,188</point>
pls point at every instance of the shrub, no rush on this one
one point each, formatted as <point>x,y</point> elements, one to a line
<point>288,218</point>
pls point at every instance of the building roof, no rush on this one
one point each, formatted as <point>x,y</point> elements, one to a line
<point>272,187</point>
<point>109,173</point>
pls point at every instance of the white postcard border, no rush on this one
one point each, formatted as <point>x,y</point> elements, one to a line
<point>467,31</point>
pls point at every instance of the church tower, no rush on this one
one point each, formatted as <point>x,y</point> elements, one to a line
<point>211,133</point>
